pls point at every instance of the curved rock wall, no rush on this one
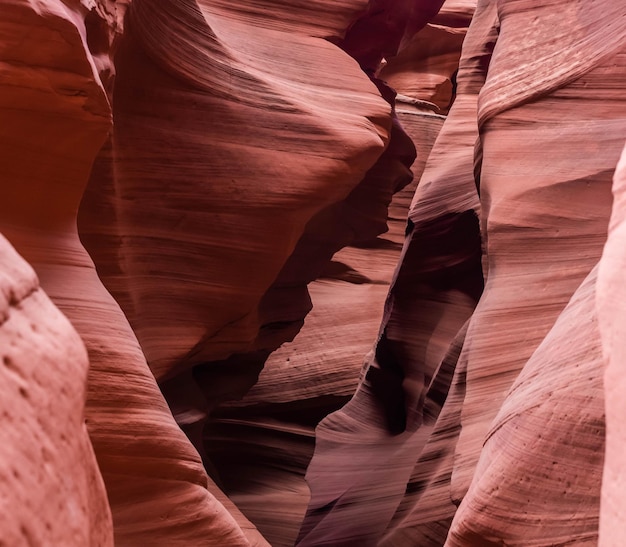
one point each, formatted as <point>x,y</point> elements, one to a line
<point>210,289</point>
<point>190,270</point>
<point>543,226</point>
<point>52,491</point>
<point>213,69</point>
<point>610,310</point>
<point>222,158</point>
<point>440,272</point>
<point>526,293</point>
<point>55,117</point>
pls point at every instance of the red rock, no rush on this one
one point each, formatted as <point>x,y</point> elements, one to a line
<point>52,491</point>
<point>610,310</point>
<point>216,309</point>
<point>227,155</point>
<point>426,66</point>
<point>375,439</point>
<point>213,72</point>
<point>536,257</point>
<point>55,118</point>
<point>538,253</point>
<point>261,446</point>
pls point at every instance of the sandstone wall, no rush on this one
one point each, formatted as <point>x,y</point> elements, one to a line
<point>189,179</point>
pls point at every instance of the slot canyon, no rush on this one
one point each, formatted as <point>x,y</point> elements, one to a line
<point>343,273</point>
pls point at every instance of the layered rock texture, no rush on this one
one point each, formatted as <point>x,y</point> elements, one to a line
<point>56,116</point>
<point>525,412</point>
<point>328,273</point>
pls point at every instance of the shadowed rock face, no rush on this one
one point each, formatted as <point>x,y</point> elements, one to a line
<point>527,386</point>
<point>231,165</point>
<point>55,117</point>
<point>440,272</point>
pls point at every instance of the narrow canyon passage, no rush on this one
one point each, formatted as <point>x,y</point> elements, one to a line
<point>328,273</point>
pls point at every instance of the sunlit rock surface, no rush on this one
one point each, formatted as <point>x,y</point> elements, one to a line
<point>546,207</point>
<point>52,491</point>
<point>612,323</point>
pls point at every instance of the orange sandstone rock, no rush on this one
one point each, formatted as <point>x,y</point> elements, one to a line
<point>545,214</point>
<point>188,268</point>
<point>550,128</point>
<point>426,66</point>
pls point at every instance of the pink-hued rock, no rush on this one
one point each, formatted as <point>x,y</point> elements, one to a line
<point>426,66</point>
<point>211,289</point>
<point>549,140</point>
<point>261,445</point>
<point>538,478</point>
<point>52,491</point>
<point>187,267</point>
<point>544,214</point>
<point>218,159</point>
<point>610,298</point>
<point>544,219</point>
<point>376,438</point>
<point>55,117</point>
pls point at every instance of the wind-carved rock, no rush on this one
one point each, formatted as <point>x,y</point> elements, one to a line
<point>548,195</point>
<point>293,132</point>
<point>544,213</point>
<point>611,324</point>
<point>55,117</point>
<point>207,69</point>
<point>53,493</point>
<point>221,153</point>
<point>440,272</point>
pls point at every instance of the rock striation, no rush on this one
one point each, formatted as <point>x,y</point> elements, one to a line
<point>104,101</point>
<point>233,280</point>
<point>212,290</point>
<point>610,312</point>
<point>213,70</point>
<point>526,294</point>
<point>510,411</point>
<point>56,116</point>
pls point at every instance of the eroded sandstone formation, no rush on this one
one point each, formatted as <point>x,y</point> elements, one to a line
<point>52,491</point>
<point>610,311</point>
<point>55,117</point>
<point>230,166</point>
<point>515,412</point>
<point>221,308</point>
<point>88,61</point>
